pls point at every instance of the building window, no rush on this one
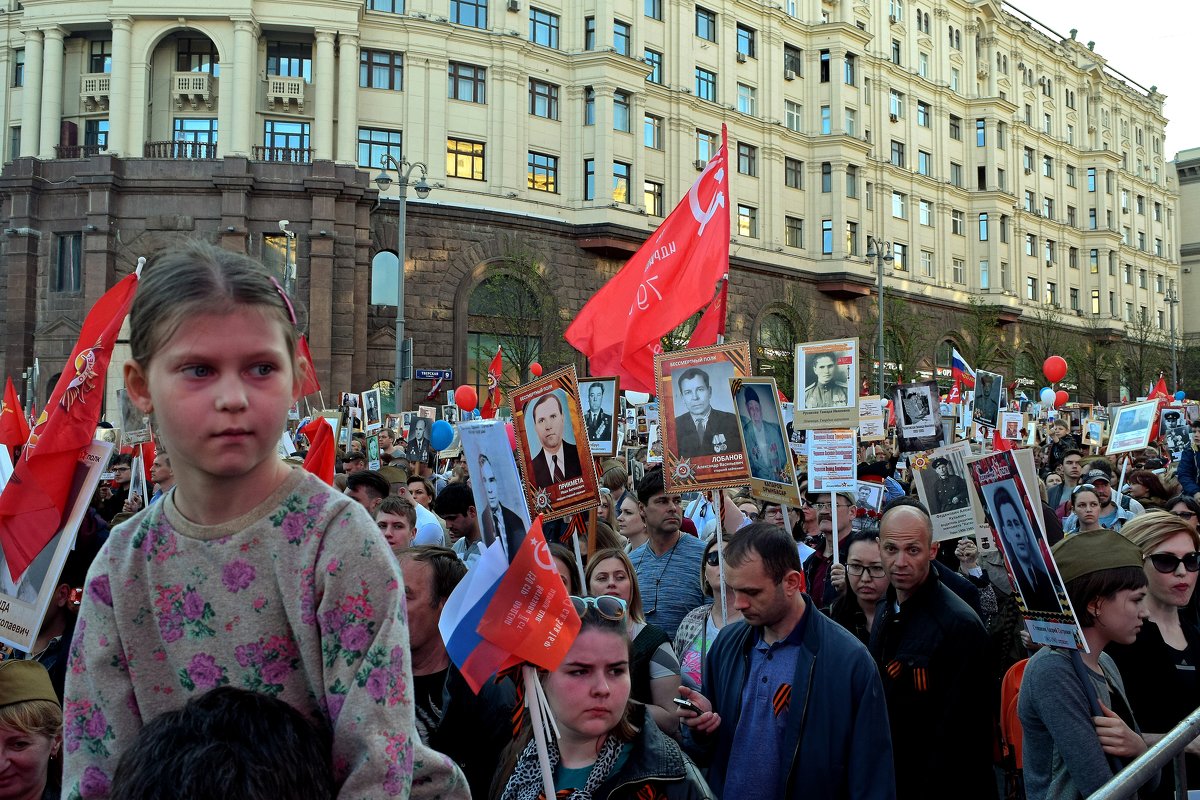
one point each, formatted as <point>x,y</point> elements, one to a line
<point>589,33</point>
<point>622,181</point>
<point>1095,302</point>
<point>1051,293</point>
<point>589,106</point>
<point>956,174</point>
<point>99,55</point>
<point>957,223</point>
<point>924,160</point>
<point>1070,171</point>
<point>925,213</point>
<point>622,35</point>
<point>1048,166</point>
<point>706,145</point>
<point>1091,179</point>
<point>1094,261</point>
<point>747,221</point>
<point>706,84</point>
<point>747,99</point>
<point>289,60</point>
<point>1031,288</point>
<point>851,181</point>
<point>826,122</point>
<point>900,256</point>
<point>826,177</point>
<point>18,75</point>
<point>381,69</point>
<point>390,6</point>
<point>793,116</point>
<point>653,9</point>
<point>827,237</point>
<point>793,231</point>
<point>543,99</point>
<point>747,156</point>
<point>746,41</point>
<point>68,263</point>
<point>896,103</point>
<point>464,159</point>
<point>542,173</point>
<point>1074,295</point>
<point>983,227</point>
<point>621,111</point>
<point>194,135</point>
<point>852,238</point>
<point>848,69</point>
<point>654,61</point>
<point>793,173</point>
<point>923,115</point>
<point>374,143</point>
<point>927,263</point>
<point>197,55</point>
<point>980,133</point>
<point>469,12</point>
<point>824,54</point>
<point>467,82</point>
<point>543,27</point>
<point>793,60</point>
<point>923,64</point>
<point>899,205</point>
<point>285,140</point>
<point>985,278</point>
<point>653,198</point>
<point>897,156</point>
<point>652,132</point>
<point>956,128</point>
<point>95,134</point>
<point>589,179</point>
<point>896,51</point>
<point>706,24</point>
<point>851,122</point>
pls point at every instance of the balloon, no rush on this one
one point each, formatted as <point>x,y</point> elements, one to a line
<point>637,398</point>
<point>535,369</point>
<point>475,414</point>
<point>466,398</point>
<point>1060,398</point>
<point>1047,396</point>
<point>1180,395</point>
<point>1055,368</point>
<point>512,435</point>
<point>442,434</point>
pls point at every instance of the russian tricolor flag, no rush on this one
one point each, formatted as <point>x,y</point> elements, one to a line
<point>961,370</point>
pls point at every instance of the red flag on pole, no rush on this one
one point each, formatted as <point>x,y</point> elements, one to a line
<point>1160,391</point>
<point>321,450</point>
<point>712,324</point>
<point>33,502</point>
<point>310,384</point>
<point>14,430</point>
<point>955,394</point>
<point>668,279</point>
<point>999,443</point>
<point>491,406</point>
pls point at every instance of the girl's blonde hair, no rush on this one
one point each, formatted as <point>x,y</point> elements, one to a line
<point>200,278</point>
<point>1151,529</point>
<point>635,595</point>
<point>40,717</point>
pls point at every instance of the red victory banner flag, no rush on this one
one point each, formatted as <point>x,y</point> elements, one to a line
<point>495,397</point>
<point>321,449</point>
<point>32,505</point>
<point>667,280</point>
<point>712,323</point>
<point>309,383</point>
<point>14,430</point>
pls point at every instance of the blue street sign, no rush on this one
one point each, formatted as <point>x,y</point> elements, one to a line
<point>434,374</point>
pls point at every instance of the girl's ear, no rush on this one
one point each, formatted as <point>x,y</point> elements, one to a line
<point>138,386</point>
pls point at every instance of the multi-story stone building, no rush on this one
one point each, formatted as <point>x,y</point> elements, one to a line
<point>1000,160</point>
<point>1187,170</point>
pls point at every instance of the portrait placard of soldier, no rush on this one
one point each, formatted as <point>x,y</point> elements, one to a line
<point>601,410</point>
<point>827,384</point>
<point>772,473</point>
<point>918,416</point>
<point>555,456</point>
<point>941,477</point>
<point>702,440</point>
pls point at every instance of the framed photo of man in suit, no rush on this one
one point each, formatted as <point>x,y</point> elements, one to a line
<point>827,384</point>
<point>555,456</point>
<point>702,439</point>
<point>500,506</point>
<point>601,414</point>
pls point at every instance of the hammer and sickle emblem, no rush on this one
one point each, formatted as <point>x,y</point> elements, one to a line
<point>541,554</point>
<point>718,200</point>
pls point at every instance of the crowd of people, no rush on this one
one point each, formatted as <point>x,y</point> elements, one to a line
<point>255,632</point>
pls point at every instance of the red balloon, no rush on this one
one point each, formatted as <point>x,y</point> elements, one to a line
<point>1060,398</point>
<point>1055,368</point>
<point>466,398</point>
<point>512,435</point>
<point>535,369</point>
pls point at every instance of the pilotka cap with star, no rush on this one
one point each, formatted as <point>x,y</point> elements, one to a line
<point>1084,553</point>
<point>24,680</point>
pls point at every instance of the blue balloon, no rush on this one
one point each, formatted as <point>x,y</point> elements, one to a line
<point>1047,396</point>
<point>1180,395</point>
<point>475,414</point>
<point>442,435</point>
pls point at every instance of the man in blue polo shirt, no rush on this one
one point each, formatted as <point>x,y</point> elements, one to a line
<point>782,675</point>
<point>668,564</point>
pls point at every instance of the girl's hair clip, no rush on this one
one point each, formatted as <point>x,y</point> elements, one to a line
<point>287,301</point>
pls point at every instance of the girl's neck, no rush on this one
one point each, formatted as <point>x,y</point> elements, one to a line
<point>209,500</point>
<point>578,752</point>
<point>1096,641</point>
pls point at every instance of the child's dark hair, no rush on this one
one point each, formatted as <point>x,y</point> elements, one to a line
<point>1102,583</point>
<point>228,743</point>
<point>198,277</point>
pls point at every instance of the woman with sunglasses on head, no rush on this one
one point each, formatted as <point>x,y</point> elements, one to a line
<point>1159,668</point>
<point>608,746</point>
<point>653,667</point>
<point>703,623</point>
<point>866,582</point>
<point>1086,505</point>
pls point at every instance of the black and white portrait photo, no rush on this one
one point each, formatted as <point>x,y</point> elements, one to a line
<point>707,425</point>
<point>600,410</point>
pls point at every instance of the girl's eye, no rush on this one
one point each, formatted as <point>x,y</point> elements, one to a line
<point>264,370</point>
<point>618,670</point>
<point>197,371</point>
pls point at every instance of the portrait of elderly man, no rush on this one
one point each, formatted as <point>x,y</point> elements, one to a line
<point>765,446</point>
<point>557,460</point>
<point>702,430</point>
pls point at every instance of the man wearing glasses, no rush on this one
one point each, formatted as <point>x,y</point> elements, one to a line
<point>817,568</point>
<point>113,498</point>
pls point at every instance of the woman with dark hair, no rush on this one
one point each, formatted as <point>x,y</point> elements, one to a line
<point>1086,505</point>
<point>1073,707</point>
<point>703,623</point>
<point>865,582</point>
<point>1186,508</point>
<point>608,746</point>
<point>564,562</point>
<point>1147,489</point>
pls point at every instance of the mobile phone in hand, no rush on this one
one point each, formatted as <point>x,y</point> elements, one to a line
<point>687,705</point>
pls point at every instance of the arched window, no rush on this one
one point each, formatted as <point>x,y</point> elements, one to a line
<point>503,311</point>
<point>775,350</point>
<point>384,268</point>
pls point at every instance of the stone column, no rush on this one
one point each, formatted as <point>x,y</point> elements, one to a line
<point>118,92</point>
<point>322,135</point>
<point>31,105</point>
<point>52,91</point>
<point>347,132</point>
<point>243,98</point>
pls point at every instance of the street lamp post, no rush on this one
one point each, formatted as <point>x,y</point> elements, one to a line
<point>880,251</point>
<point>1172,299</point>
<point>404,170</point>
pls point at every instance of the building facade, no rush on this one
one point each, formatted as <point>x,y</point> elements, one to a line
<point>1004,164</point>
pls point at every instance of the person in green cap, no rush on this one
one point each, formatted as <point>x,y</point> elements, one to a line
<point>31,728</point>
<point>1078,726</point>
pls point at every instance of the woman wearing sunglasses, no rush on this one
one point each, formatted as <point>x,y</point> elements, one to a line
<point>653,667</point>
<point>608,746</point>
<point>703,623</point>
<point>1086,505</point>
<point>1159,668</point>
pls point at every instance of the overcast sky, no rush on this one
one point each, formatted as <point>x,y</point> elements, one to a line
<point>1151,41</point>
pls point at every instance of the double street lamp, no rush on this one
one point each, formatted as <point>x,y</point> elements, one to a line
<point>879,251</point>
<point>404,170</point>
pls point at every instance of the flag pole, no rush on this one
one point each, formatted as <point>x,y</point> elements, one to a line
<point>532,699</point>
<point>579,562</point>
<point>721,553</point>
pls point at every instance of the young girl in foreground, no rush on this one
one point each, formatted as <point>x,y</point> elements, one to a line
<point>248,573</point>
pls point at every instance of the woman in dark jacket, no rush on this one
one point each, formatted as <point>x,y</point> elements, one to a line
<point>608,747</point>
